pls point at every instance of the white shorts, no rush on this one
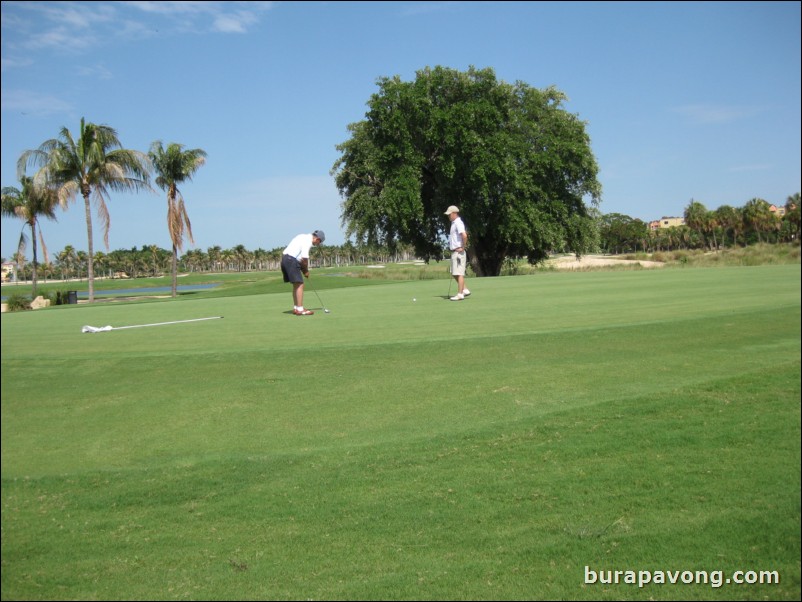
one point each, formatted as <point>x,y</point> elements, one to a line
<point>458,261</point>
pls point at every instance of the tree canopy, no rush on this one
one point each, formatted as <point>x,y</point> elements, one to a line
<point>174,166</point>
<point>91,165</point>
<point>30,204</point>
<point>515,162</point>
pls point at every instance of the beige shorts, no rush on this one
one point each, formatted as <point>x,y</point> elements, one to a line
<point>458,261</point>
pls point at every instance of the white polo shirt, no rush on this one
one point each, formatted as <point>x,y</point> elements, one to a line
<point>455,236</point>
<point>299,246</point>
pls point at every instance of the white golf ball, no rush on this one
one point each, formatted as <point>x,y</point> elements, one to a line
<point>414,299</point>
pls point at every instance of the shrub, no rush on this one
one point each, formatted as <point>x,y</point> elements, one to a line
<point>18,302</point>
<point>52,296</point>
<point>61,298</point>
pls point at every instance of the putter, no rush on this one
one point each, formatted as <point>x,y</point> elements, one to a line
<point>325,309</point>
<point>314,290</point>
<point>450,280</point>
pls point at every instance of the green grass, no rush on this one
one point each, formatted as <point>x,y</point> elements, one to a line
<point>483,450</point>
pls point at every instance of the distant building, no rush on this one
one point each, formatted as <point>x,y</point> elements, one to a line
<point>666,222</point>
<point>778,211</point>
<point>9,271</point>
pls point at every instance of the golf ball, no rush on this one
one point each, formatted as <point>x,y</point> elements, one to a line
<point>414,299</point>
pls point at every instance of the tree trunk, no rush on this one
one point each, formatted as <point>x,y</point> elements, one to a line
<point>34,276</point>
<point>90,268</point>
<point>175,270</point>
<point>485,261</point>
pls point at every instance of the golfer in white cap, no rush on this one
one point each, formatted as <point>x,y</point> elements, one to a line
<point>295,266</point>
<point>458,242</point>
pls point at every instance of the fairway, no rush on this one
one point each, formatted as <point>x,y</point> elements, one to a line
<point>486,449</point>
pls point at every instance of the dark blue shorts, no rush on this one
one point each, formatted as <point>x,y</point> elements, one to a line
<point>291,268</point>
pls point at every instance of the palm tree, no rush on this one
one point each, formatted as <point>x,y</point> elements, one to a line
<point>173,166</point>
<point>730,219</point>
<point>194,259</point>
<point>82,260</point>
<point>91,165</point>
<point>712,224</point>
<point>759,217</point>
<point>227,257</point>
<point>19,259</point>
<point>792,213</point>
<point>33,202</point>
<point>260,259</point>
<point>215,258</point>
<point>67,259</point>
<point>696,218</point>
<point>101,263</point>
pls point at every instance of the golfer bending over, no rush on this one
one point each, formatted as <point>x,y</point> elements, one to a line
<point>295,266</point>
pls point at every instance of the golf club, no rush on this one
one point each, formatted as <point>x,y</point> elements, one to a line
<point>325,309</point>
<point>314,290</point>
<point>450,280</point>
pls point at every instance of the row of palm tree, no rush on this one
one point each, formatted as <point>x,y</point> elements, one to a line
<point>92,165</point>
<point>618,234</point>
<point>755,216</point>
<point>725,226</point>
<point>153,261</point>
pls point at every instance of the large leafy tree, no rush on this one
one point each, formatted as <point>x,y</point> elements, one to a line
<point>173,166</point>
<point>31,203</point>
<point>92,165</point>
<point>515,162</point>
<point>621,234</point>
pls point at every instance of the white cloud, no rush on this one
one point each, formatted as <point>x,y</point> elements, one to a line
<point>232,23</point>
<point>81,26</point>
<point>61,39</point>
<point>95,72</point>
<point>226,17</point>
<point>14,63</point>
<point>170,7</point>
<point>32,103</point>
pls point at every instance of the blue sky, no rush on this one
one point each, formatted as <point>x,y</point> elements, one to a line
<point>683,100</point>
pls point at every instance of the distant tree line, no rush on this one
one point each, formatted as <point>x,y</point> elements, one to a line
<point>153,261</point>
<point>703,229</point>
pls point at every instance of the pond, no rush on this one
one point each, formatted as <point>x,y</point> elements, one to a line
<point>153,290</point>
<point>135,292</point>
